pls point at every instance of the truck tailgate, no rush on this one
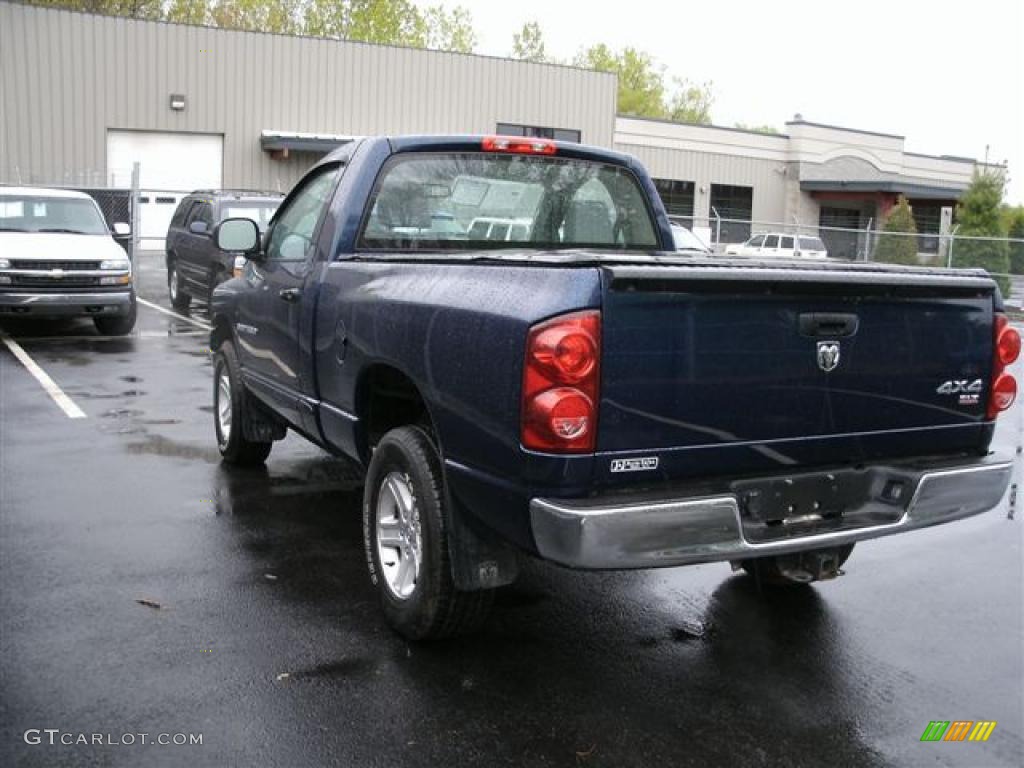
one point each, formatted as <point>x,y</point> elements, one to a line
<point>710,367</point>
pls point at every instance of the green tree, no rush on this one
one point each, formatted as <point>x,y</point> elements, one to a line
<point>135,9</point>
<point>641,81</point>
<point>260,15</point>
<point>978,214</point>
<point>188,11</point>
<point>1016,232</point>
<point>757,128</point>
<point>895,245</point>
<point>528,43</point>
<point>691,103</point>
<point>390,22</point>
<point>449,30</point>
<point>642,88</point>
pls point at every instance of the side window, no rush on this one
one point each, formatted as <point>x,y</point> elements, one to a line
<point>295,223</point>
<point>756,241</point>
<point>204,213</point>
<point>771,241</point>
<point>787,243</point>
<point>179,215</point>
<point>193,212</point>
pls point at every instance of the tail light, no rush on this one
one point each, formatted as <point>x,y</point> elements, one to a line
<point>1006,350</point>
<point>560,384</point>
<point>519,145</point>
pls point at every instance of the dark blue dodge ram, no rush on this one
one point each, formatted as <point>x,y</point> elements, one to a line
<point>500,331</point>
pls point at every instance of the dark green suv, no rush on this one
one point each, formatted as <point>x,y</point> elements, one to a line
<point>195,266</point>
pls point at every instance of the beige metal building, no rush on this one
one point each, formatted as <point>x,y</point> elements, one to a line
<point>84,97</point>
<point>813,175</point>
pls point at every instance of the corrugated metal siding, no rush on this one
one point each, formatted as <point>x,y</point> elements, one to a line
<point>68,77</point>
<point>705,169</point>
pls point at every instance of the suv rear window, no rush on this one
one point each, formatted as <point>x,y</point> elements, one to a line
<point>478,201</point>
<point>260,212</point>
<point>811,244</point>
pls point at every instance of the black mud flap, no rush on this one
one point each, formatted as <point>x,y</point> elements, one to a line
<point>478,559</point>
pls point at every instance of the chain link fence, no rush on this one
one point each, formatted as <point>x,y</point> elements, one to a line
<point>767,239</point>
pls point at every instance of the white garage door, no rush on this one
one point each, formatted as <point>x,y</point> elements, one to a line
<point>170,166</point>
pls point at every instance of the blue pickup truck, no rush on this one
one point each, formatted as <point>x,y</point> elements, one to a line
<point>501,332</point>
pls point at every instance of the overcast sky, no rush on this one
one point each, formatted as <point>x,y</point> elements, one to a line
<point>947,75</point>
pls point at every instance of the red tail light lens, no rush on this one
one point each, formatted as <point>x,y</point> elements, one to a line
<point>519,145</point>
<point>1006,350</point>
<point>560,384</point>
<point>1007,341</point>
<point>1004,392</point>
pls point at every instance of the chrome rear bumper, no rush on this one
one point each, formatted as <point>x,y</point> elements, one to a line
<point>623,533</point>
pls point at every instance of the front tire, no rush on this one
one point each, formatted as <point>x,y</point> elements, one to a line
<point>405,534</point>
<point>230,412</point>
<point>175,288</point>
<point>118,325</point>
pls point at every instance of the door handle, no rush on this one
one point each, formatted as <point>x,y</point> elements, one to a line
<point>828,324</point>
<point>290,294</point>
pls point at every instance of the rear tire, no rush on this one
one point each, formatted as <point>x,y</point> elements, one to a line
<point>230,412</point>
<point>771,571</point>
<point>175,288</point>
<point>118,325</point>
<point>405,535</point>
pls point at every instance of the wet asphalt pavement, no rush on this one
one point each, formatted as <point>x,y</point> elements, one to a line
<point>262,632</point>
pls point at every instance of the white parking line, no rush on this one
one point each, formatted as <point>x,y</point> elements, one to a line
<point>192,320</point>
<point>66,404</point>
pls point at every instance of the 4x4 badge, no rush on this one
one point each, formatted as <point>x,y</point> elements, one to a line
<point>828,355</point>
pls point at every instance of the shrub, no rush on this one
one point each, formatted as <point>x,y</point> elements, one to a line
<point>1017,249</point>
<point>978,216</point>
<point>894,247</point>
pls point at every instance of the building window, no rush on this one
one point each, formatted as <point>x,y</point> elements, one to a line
<point>677,196</point>
<point>558,134</point>
<point>927,219</point>
<point>735,206</point>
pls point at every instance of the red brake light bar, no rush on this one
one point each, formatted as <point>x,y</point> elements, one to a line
<point>519,145</point>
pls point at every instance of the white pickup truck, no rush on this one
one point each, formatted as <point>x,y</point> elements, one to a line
<point>779,245</point>
<point>58,259</point>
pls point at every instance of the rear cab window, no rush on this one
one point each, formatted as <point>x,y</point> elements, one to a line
<point>480,200</point>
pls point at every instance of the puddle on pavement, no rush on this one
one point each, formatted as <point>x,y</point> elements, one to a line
<point>106,395</point>
<point>158,445</point>
<point>119,413</point>
<point>340,668</point>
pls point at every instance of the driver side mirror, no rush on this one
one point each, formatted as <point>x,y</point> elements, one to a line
<point>239,235</point>
<point>121,229</point>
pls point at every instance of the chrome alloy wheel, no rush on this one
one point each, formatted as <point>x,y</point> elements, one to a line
<point>399,539</point>
<point>172,284</point>
<point>223,406</point>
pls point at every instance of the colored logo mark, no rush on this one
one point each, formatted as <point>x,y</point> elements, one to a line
<point>958,730</point>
